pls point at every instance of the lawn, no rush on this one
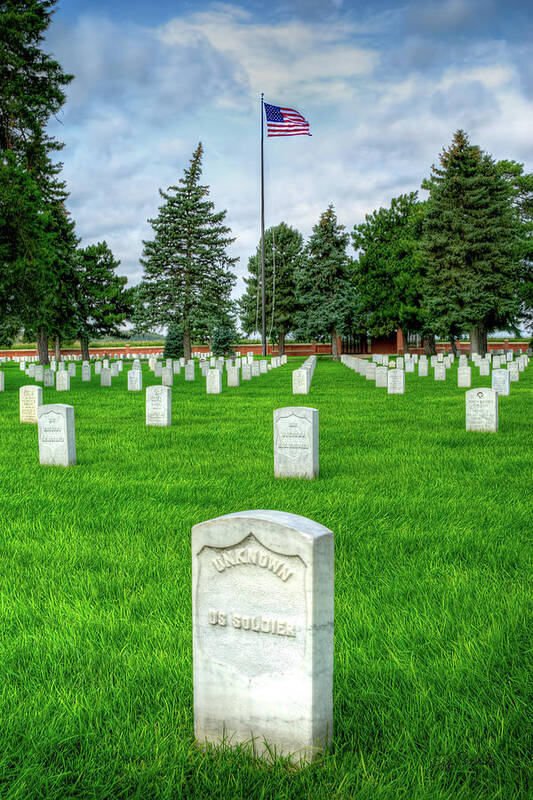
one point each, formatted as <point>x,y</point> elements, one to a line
<point>432,676</point>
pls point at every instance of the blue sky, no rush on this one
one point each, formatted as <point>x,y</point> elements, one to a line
<point>383,84</point>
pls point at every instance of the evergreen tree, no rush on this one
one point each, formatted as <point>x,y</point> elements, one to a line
<point>388,275</point>
<point>174,342</point>
<point>49,281</point>
<point>325,284</point>
<point>469,245</point>
<point>103,304</point>
<point>222,338</point>
<point>283,255</point>
<point>187,278</point>
<point>31,193</point>
<point>520,186</point>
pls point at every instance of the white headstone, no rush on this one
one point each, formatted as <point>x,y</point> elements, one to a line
<point>423,368</point>
<point>63,381</point>
<point>189,371</point>
<point>97,367</point>
<point>296,442</point>
<point>213,383</point>
<point>396,381</point>
<point>167,376</point>
<point>105,377</point>
<point>256,370</point>
<point>301,380</point>
<point>86,372</point>
<point>482,410</point>
<point>501,381</point>
<point>30,398</point>
<point>370,372</point>
<point>262,589</point>
<point>135,380</point>
<point>72,370</point>
<point>2,383</point>
<point>382,377</point>
<point>158,405</point>
<point>464,377</point>
<point>39,373</point>
<point>512,367</point>
<point>409,365</point>
<point>246,372</point>
<point>233,376</point>
<point>484,369</point>
<point>57,440</point>
<point>439,372</point>
<point>158,369</point>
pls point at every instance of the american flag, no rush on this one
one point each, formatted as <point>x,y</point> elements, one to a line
<point>285,122</point>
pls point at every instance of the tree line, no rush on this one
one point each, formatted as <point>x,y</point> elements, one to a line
<point>457,262</point>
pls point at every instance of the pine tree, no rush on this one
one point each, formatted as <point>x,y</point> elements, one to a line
<point>325,284</point>
<point>387,272</point>
<point>103,304</point>
<point>174,342</point>
<point>31,90</point>
<point>283,255</point>
<point>222,338</point>
<point>187,278</point>
<point>469,245</point>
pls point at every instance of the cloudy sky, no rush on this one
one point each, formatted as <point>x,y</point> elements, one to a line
<point>384,84</point>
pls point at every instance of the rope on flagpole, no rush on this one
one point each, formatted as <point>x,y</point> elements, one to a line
<point>273,282</point>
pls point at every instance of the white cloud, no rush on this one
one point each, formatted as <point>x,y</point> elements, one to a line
<point>143,98</point>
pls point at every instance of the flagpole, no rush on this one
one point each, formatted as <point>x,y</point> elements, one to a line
<point>263,318</point>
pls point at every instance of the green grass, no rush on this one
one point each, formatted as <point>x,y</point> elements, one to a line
<point>432,682</point>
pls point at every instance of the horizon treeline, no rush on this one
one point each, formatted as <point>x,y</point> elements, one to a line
<point>459,262</point>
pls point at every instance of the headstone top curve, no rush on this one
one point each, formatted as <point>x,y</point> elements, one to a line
<point>283,518</point>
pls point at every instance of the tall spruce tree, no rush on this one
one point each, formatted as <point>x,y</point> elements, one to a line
<point>283,256</point>
<point>187,272</point>
<point>103,305</point>
<point>387,273</point>
<point>325,284</point>
<point>469,245</point>
<point>520,185</point>
<point>31,90</point>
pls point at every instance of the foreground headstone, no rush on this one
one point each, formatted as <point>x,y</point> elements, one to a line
<point>189,371</point>
<point>262,602</point>
<point>396,381</point>
<point>57,440</point>
<point>482,410</point>
<point>158,405</point>
<point>1,381</point>
<point>30,398</point>
<point>86,372</point>
<point>296,442</point>
<point>213,383</point>
<point>439,372</point>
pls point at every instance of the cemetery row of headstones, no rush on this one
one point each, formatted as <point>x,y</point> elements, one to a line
<point>302,376</point>
<point>386,375</point>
